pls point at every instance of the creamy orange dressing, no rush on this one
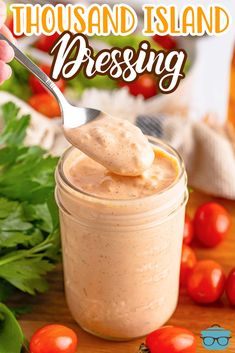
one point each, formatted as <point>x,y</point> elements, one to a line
<point>92,178</point>
<point>114,143</point>
<point>122,250</point>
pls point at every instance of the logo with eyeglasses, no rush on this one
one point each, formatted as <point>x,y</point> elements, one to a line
<point>215,338</point>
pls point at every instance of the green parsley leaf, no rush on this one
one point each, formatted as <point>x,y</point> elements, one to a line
<point>26,274</point>
<point>29,223</point>
<point>14,130</point>
<point>18,83</point>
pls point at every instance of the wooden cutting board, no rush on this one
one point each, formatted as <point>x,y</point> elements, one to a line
<point>51,307</point>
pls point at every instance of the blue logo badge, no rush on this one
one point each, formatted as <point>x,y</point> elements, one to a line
<point>215,338</point>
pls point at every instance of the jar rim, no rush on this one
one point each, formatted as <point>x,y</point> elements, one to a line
<point>155,141</point>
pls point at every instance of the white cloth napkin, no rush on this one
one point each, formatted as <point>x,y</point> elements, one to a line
<point>206,147</point>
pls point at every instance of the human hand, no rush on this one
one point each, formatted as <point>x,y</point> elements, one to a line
<point>6,52</point>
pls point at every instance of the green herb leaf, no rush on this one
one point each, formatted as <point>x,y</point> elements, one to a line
<point>10,112</point>
<point>7,207</point>
<point>13,239</point>
<point>27,274</point>
<point>11,335</point>
<point>14,130</point>
<point>29,225</point>
<point>18,84</point>
<point>40,214</point>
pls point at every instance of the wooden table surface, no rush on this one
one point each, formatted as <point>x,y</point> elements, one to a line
<point>51,307</point>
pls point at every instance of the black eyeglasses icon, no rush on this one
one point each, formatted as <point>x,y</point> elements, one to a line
<point>209,341</point>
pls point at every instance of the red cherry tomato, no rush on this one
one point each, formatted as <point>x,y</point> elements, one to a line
<point>206,282</point>
<point>188,230</point>
<point>166,42</point>
<point>45,43</point>
<point>36,85</point>
<point>211,224</point>
<point>145,85</point>
<point>54,339</point>
<point>188,262</point>
<point>230,287</point>
<point>10,25</point>
<point>170,339</point>
<point>45,104</point>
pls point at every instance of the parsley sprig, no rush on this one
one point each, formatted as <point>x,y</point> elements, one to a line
<point>29,227</point>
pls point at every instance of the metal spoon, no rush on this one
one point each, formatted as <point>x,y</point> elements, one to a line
<point>73,117</point>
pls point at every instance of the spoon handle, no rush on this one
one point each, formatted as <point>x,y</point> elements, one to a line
<point>36,71</point>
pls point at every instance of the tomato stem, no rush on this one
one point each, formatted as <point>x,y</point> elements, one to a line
<point>143,349</point>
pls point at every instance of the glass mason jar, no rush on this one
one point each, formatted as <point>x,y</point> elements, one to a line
<point>121,257</point>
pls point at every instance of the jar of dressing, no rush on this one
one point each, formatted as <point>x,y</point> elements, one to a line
<point>122,240</point>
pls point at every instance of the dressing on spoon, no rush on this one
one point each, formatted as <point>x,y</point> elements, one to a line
<point>116,144</point>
